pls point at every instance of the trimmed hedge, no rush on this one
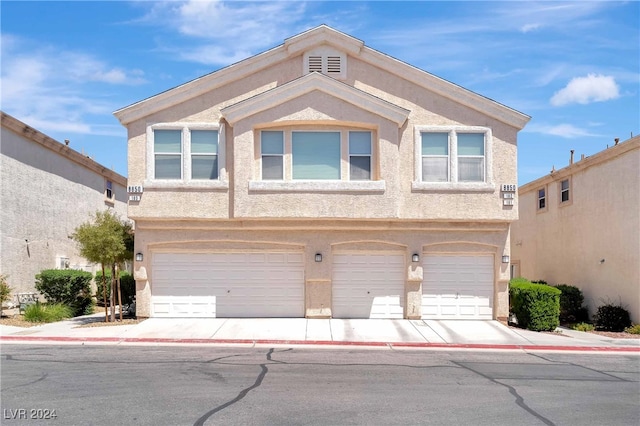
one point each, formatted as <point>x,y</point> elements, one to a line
<point>536,306</point>
<point>66,286</point>
<point>127,286</point>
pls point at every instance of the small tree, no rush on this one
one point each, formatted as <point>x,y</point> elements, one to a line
<point>103,241</point>
<point>5,291</point>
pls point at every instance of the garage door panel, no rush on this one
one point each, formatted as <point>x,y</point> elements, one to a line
<point>368,286</point>
<point>457,287</point>
<point>228,284</point>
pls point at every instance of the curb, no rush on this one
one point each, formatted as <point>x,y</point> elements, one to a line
<point>408,345</point>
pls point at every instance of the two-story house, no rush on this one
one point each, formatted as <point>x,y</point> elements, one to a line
<point>321,178</point>
<point>47,189</point>
<point>580,225</point>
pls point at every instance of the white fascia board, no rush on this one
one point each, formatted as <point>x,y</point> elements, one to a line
<point>323,35</point>
<point>445,88</point>
<point>309,83</point>
<point>200,85</point>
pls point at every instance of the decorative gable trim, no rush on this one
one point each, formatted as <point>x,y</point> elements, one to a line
<point>308,83</point>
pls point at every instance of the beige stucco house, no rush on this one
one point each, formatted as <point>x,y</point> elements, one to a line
<point>318,179</point>
<point>47,189</point>
<point>580,225</point>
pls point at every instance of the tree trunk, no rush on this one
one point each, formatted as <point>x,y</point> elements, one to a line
<point>104,294</point>
<point>119,293</point>
<point>113,290</point>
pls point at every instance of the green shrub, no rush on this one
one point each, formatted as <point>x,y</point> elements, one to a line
<point>5,291</point>
<point>40,312</point>
<point>127,286</point>
<point>571,309</point>
<point>536,306</point>
<point>67,286</point>
<point>583,326</point>
<point>634,329</point>
<point>611,317</point>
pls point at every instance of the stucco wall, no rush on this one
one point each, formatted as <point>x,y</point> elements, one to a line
<point>396,153</point>
<point>568,243</point>
<point>44,197</point>
<point>327,238</point>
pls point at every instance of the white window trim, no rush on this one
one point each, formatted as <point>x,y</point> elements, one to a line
<point>185,127</point>
<point>453,184</point>
<point>288,184</point>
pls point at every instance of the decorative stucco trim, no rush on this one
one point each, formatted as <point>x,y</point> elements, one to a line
<point>452,187</point>
<point>317,186</point>
<point>323,35</point>
<point>309,83</point>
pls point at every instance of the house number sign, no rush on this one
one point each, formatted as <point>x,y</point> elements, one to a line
<point>134,192</point>
<point>507,187</point>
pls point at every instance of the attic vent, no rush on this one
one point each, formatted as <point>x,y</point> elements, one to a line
<point>333,64</point>
<point>315,63</point>
<point>326,60</point>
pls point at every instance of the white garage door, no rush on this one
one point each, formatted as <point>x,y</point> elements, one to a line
<point>457,287</point>
<point>227,285</point>
<point>368,286</point>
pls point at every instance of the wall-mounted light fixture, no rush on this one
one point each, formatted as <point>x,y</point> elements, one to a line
<point>505,258</point>
<point>415,257</point>
<point>318,257</point>
<point>601,260</point>
<point>139,257</point>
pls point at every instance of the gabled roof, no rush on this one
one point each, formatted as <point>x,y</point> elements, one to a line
<point>307,40</point>
<point>310,83</point>
<point>27,132</point>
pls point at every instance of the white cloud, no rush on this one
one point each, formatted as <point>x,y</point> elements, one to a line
<point>255,27</point>
<point>529,27</point>
<point>567,131</point>
<point>55,90</point>
<point>584,90</point>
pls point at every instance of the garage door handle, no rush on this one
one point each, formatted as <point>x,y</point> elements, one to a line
<point>228,291</point>
<point>368,292</point>
<point>457,295</point>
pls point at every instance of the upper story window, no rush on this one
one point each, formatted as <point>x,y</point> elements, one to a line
<point>564,191</point>
<point>316,160</point>
<point>108,189</point>
<point>184,154</point>
<point>453,158</point>
<point>316,155</point>
<point>542,198</point>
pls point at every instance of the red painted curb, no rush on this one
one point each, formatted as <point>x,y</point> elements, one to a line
<point>320,343</point>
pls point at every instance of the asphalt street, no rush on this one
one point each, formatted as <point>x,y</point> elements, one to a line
<point>178,385</point>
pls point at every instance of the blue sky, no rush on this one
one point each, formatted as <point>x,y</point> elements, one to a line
<point>574,67</point>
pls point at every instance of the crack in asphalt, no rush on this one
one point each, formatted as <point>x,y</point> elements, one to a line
<point>519,400</point>
<point>264,370</point>
<point>39,379</point>
<point>582,366</point>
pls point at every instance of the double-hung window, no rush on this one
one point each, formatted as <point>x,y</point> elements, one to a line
<point>108,189</point>
<point>564,191</point>
<point>184,154</point>
<point>453,158</point>
<point>272,148</point>
<point>167,149</point>
<point>204,154</point>
<point>542,199</point>
<point>360,155</point>
<point>470,157</point>
<point>435,157</point>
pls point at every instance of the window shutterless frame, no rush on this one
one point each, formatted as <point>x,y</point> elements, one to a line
<point>272,152</point>
<point>359,155</point>
<point>565,187</point>
<point>542,198</point>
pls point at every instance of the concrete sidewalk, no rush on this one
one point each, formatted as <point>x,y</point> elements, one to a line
<point>300,331</point>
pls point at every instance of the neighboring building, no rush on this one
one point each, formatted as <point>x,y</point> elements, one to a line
<point>580,225</point>
<point>321,178</point>
<point>46,190</point>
